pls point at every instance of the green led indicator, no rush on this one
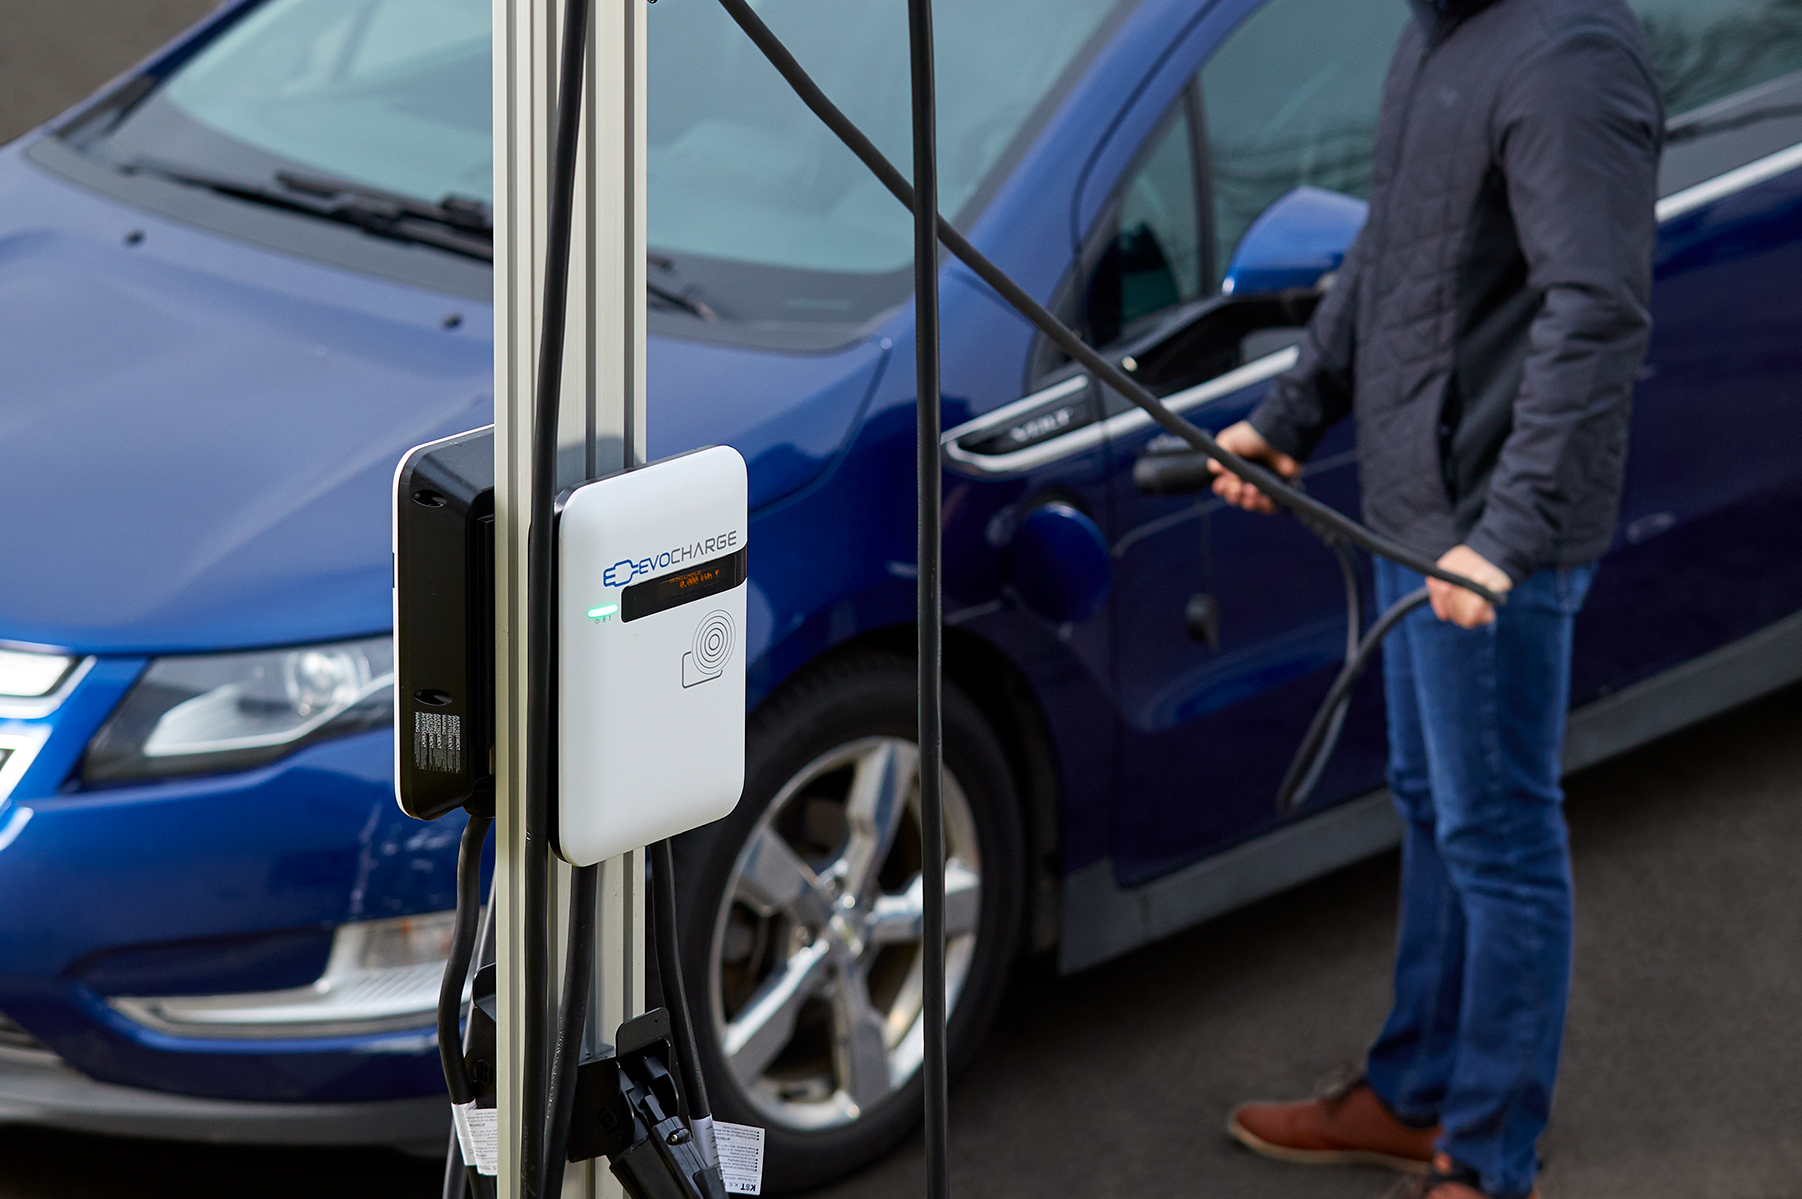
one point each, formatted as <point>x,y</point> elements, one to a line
<point>602,612</point>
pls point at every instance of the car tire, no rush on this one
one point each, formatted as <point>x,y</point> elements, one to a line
<point>841,736</point>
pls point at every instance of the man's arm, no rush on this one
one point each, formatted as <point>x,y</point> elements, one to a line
<point>1307,399</point>
<point>1580,128</point>
<point>1303,401</point>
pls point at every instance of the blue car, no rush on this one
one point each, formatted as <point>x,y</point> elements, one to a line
<point>236,286</point>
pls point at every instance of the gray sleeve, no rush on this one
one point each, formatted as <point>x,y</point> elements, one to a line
<point>1307,399</point>
<point>1579,128</point>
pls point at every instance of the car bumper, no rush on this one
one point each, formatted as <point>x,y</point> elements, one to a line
<point>225,885</point>
<point>51,1094</point>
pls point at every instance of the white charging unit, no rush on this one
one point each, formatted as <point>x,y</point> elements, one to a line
<point>651,647</point>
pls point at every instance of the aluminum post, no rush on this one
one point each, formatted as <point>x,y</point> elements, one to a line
<point>601,431</point>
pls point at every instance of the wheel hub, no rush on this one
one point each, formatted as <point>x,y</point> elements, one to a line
<point>816,958</point>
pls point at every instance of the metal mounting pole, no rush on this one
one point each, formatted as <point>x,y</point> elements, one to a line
<point>601,431</point>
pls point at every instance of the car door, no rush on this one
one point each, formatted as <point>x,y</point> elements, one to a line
<point>1229,625</point>
<point>1710,541</point>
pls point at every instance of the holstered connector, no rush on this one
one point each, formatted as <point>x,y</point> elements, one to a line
<point>628,1109</point>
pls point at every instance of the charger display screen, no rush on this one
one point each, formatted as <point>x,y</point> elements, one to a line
<point>685,586</point>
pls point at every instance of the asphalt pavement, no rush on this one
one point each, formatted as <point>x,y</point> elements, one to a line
<point>1682,1069</point>
<point>1683,1063</point>
<point>55,52</point>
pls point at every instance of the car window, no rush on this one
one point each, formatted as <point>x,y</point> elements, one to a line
<point>393,93</point>
<point>1154,259</point>
<point>1291,99</point>
<point>753,205</point>
<point>1706,50</point>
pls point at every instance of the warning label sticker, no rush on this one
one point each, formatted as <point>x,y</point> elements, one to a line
<point>437,741</point>
<point>741,1157</point>
<point>478,1136</point>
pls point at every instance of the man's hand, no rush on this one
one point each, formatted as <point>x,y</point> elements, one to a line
<point>1466,609</point>
<point>1247,442</point>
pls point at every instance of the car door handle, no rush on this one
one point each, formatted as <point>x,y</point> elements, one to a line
<point>1061,419</point>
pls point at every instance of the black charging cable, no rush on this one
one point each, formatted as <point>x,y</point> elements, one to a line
<point>666,941</point>
<point>541,603</point>
<point>930,602</point>
<point>578,989</point>
<point>464,935</point>
<point>1317,745</point>
<point>1318,516</point>
<point>462,951</point>
<point>1323,732</point>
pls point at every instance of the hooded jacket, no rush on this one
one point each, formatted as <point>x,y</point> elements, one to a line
<point>1490,318</point>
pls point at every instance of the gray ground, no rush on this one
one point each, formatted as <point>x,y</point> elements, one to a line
<point>54,52</point>
<point>1683,1072</point>
<point>1681,1063</point>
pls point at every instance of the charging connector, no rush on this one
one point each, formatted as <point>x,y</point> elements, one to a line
<point>628,1110</point>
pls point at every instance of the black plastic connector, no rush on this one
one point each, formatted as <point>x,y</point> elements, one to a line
<point>1184,473</point>
<point>628,1109</point>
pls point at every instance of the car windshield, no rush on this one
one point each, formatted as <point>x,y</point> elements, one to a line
<point>754,209</point>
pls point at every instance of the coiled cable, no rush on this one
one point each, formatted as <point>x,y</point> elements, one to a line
<point>1329,719</point>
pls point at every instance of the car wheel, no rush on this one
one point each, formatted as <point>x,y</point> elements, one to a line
<point>801,916</point>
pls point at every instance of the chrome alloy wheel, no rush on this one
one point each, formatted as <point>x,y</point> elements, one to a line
<point>815,965</point>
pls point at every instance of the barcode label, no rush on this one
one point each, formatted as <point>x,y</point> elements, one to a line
<point>437,741</point>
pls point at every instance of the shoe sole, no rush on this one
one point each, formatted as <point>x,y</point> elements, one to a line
<point>1321,1157</point>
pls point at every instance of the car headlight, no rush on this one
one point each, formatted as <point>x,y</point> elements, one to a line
<point>209,712</point>
<point>31,675</point>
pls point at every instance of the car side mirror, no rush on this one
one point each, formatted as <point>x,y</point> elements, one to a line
<point>1295,242</point>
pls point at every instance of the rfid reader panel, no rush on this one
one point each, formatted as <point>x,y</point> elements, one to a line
<point>651,643</point>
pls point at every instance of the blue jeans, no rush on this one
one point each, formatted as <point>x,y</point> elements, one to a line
<point>1482,970</point>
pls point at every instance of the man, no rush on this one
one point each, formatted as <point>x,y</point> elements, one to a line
<point>1485,330</point>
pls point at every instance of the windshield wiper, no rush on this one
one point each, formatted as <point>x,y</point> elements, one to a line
<point>676,299</point>
<point>687,299</point>
<point>1689,133</point>
<point>463,213</point>
<point>456,225</point>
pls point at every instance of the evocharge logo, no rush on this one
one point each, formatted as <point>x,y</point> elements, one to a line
<point>624,571</point>
<point>627,570</point>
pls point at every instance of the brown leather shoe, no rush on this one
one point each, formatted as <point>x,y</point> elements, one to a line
<point>1349,1126</point>
<point>1449,1180</point>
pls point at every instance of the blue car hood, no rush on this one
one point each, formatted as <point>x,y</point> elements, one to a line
<point>200,457</point>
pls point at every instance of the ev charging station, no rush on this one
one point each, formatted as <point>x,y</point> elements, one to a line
<point>569,624</point>
<point>651,619</point>
<point>571,670</point>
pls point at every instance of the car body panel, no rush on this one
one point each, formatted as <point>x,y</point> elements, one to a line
<point>271,529</point>
<point>285,854</point>
<point>1708,520</point>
